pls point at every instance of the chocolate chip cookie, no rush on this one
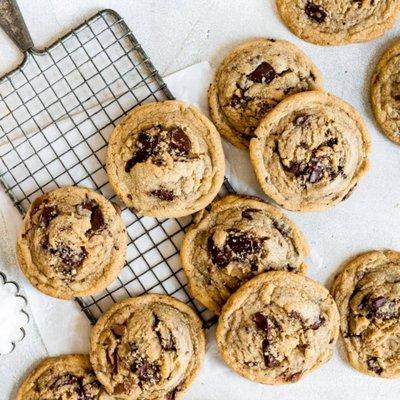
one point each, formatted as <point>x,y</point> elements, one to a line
<point>252,80</point>
<point>277,328</point>
<point>149,348</point>
<point>166,160</point>
<point>62,378</point>
<point>310,151</point>
<point>385,93</point>
<point>238,238</point>
<point>335,22</point>
<point>72,243</point>
<point>367,293</point>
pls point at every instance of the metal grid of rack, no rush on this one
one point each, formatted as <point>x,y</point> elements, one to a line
<point>57,111</point>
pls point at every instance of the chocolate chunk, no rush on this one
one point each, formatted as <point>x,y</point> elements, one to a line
<point>96,218</point>
<point>302,120</point>
<point>315,12</point>
<point>171,395</point>
<point>48,214</point>
<point>269,360</point>
<point>218,256</point>
<point>315,169</point>
<point>112,359</point>
<point>242,244</point>
<point>65,380</point>
<point>294,378</point>
<point>264,73</point>
<point>145,371</point>
<point>295,169</point>
<point>180,142</point>
<point>71,257</point>
<point>163,194</point>
<point>235,100</point>
<point>318,323</point>
<point>118,330</point>
<point>373,365</point>
<point>262,322</point>
<point>37,203</point>
<point>331,142</point>
<point>248,213</point>
<point>146,146</point>
<point>377,303</point>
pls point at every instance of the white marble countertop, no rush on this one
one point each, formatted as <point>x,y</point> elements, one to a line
<point>179,33</point>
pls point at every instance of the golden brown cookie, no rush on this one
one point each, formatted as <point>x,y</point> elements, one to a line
<point>148,348</point>
<point>252,80</point>
<point>62,378</point>
<point>238,238</point>
<point>334,22</point>
<point>166,160</point>
<point>385,93</point>
<point>277,328</point>
<point>72,243</point>
<point>367,293</point>
<point>310,151</point>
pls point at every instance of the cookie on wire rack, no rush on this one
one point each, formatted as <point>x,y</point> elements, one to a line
<point>165,159</point>
<point>72,243</point>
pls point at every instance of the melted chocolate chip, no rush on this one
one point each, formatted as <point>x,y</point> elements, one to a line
<point>247,214</point>
<point>70,257</point>
<point>264,73</point>
<point>373,365</point>
<point>315,169</point>
<point>170,395</point>
<point>262,322</point>
<point>64,380</point>
<point>218,256</point>
<point>146,146</point>
<point>37,203</point>
<point>269,360</point>
<point>235,100</point>
<point>377,303</point>
<point>315,12</point>
<point>48,214</point>
<point>241,244</point>
<point>96,217</point>
<point>318,323</point>
<point>295,169</point>
<point>118,330</point>
<point>294,378</point>
<point>145,371</point>
<point>180,142</point>
<point>302,120</point>
<point>163,194</point>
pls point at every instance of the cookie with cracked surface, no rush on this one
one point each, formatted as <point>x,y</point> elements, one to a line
<point>310,151</point>
<point>166,160</point>
<point>72,243</point>
<point>336,22</point>
<point>367,292</point>
<point>252,80</point>
<point>277,328</point>
<point>149,347</point>
<point>62,378</point>
<point>238,238</point>
<point>385,93</point>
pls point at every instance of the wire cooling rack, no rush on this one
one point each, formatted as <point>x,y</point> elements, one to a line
<point>57,111</point>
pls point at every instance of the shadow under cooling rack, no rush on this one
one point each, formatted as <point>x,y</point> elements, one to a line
<point>57,111</point>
